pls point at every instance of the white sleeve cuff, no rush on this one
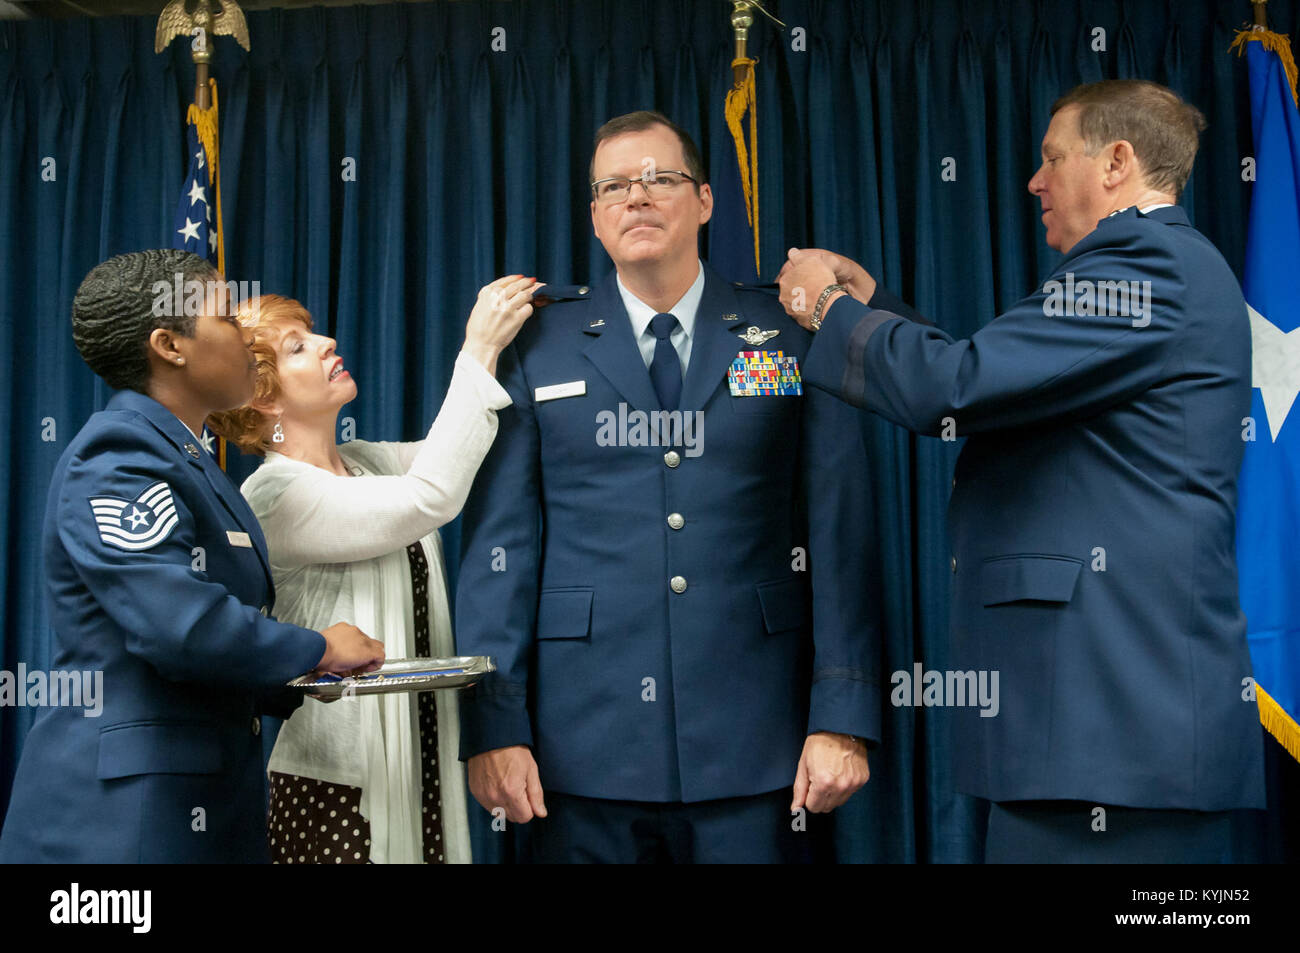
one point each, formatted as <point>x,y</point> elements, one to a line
<point>488,392</point>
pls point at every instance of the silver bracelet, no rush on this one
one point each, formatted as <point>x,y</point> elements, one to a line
<point>816,320</point>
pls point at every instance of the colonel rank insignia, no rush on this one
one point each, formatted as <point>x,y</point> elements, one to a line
<point>764,374</point>
<point>136,524</point>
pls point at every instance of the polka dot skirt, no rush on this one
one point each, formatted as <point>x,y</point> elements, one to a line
<point>319,822</point>
<point>316,822</point>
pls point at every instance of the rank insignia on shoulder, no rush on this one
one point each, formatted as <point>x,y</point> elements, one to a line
<point>764,374</point>
<point>754,337</point>
<point>554,293</point>
<point>138,524</point>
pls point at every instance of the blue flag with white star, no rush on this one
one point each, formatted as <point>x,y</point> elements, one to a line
<point>1268,511</point>
<point>196,227</point>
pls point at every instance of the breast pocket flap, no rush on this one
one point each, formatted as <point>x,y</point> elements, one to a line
<point>564,614</point>
<point>1029,578</point>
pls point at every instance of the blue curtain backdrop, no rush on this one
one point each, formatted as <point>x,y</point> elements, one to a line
<point>471,162</point>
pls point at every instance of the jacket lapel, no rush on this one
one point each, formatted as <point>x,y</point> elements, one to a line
<point>169,425</point>
<point>614,350</point>
<point>238,508</point>
<point>716,344</point>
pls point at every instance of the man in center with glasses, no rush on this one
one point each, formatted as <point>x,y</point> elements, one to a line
<point>655,555</point>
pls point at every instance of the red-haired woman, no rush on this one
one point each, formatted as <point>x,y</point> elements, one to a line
<point>352,531</point>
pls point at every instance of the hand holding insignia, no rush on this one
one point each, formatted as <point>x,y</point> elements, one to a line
<point>847,272</point>
<point>500,311</point>
<point>809,271</point>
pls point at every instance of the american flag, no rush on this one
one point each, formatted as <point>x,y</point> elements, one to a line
<point>196,231</point>
<point>196,228</point>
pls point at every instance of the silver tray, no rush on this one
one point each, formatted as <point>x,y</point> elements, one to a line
<point>401,675</point>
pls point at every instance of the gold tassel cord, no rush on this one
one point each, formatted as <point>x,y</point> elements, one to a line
<point>205,123</point>
<point>1278,723</point>
<point>1274,43</point>
<point>741,99</point>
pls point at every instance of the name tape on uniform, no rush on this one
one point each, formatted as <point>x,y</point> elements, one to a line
<point>239,539</point>
<point>553,391</point>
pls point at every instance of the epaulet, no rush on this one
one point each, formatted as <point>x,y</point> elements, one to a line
<point>556,293</point>
<point>769,288</point>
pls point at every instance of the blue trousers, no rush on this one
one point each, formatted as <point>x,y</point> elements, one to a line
<point>1070,832</point>
<point>758,829</point>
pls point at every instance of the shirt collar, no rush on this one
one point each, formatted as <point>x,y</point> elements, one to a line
<point>191,432</point>
<point>684,310</point>
<point>1145,210</point>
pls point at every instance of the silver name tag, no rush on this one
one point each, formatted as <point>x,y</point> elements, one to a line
<point>552,391</point>
<point>239,539</point>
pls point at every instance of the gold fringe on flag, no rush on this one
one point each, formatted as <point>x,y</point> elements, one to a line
<point>1273,716</point>
<point>741,99</point>
<point>205,123</point>
<point>1274,43</point>
<point>1278,723</point>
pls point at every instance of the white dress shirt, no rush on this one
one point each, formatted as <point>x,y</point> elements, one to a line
<point>640,313</point>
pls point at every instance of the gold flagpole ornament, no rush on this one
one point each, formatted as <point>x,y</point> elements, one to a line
<point>175,20</point>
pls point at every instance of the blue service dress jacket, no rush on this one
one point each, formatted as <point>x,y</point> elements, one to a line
<point>668,622</point>
<point>158,577</point>
<point>1091,518</point>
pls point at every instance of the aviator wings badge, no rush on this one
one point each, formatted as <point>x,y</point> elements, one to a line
<point>755,337</point>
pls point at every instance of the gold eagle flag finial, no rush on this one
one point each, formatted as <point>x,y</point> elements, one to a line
<point>177,20</point>
<point>195,18</point>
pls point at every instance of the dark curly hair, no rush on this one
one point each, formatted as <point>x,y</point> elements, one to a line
<point>115,310</point>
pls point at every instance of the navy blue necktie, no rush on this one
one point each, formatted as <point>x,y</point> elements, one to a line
<point>666,368</point>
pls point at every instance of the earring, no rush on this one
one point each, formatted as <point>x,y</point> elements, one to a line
<point>180,360</point>
<point>277,435</point>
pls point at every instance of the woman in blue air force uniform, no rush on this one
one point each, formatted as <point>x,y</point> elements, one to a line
<point>157,576</point>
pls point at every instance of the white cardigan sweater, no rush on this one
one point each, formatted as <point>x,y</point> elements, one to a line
<point>338,554</point>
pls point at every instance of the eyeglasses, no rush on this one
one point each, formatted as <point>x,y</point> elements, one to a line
<point>617,189</point>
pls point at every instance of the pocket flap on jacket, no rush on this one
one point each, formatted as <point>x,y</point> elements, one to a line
<point>1032,578</point>
<point>157,748</point>
<point>784,604</point>
<point>564,614</point>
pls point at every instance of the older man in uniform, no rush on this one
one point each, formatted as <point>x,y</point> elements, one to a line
<point>638,547</point>
<point>1092,514</point>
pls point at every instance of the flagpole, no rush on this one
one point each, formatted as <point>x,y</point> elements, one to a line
<point>201,27</point>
